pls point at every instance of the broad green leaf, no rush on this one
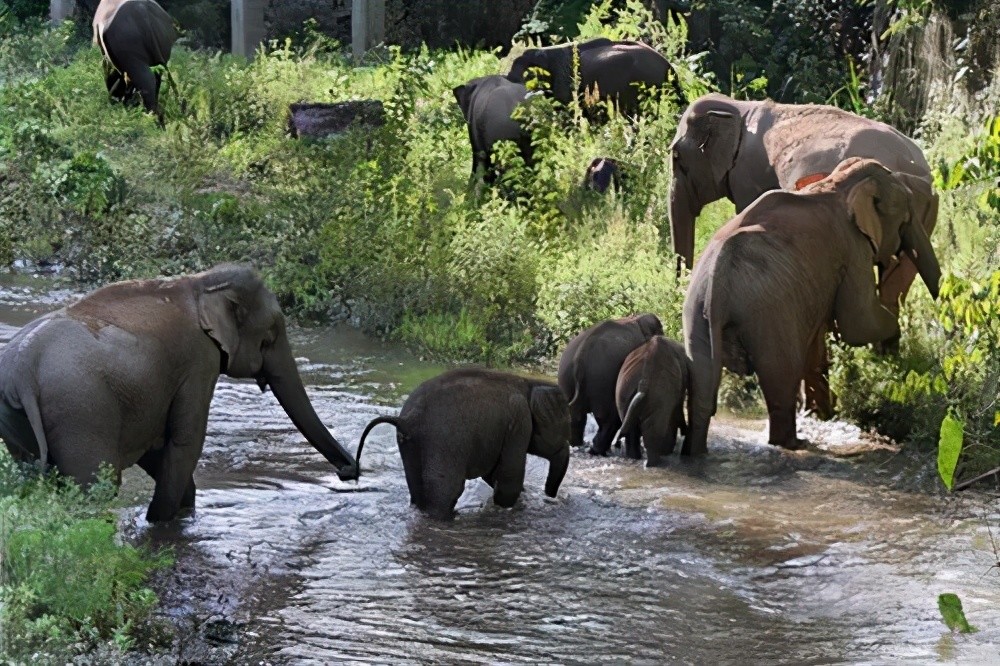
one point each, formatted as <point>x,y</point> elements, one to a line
<point>949,448</point>
<point>996,419</point>
<point>952,614</point>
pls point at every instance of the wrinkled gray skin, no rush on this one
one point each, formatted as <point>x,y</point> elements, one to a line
<point>125,376</point>
<point>134,35</point>
<point>487,104</point>
<point>783,270</point>
<point>588,372</point>
<point>650,396</point>
<point>739,150</point>
<point>615,68</point>
<point>472,423</point>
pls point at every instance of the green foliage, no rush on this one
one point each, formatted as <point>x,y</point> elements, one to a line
<point>66,580</point>
<point>950,607</point>
<point>949,449</point>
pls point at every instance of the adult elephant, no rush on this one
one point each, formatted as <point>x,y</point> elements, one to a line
<point>588,372</point>
<point>125,376</point>
<point>614,70</point>
<point>739,150</point>
<point>487,104</point>
<point>782,270</point>
<point>134,36</point>
<point>471,423</point>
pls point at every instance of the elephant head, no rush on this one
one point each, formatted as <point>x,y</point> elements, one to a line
<point>649,325</point>
<point>703,152</point>
<point>889,209</point>
<point>243,318</point>
<point>550,432</point>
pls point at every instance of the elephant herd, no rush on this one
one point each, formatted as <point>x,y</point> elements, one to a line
<point>833,223</point>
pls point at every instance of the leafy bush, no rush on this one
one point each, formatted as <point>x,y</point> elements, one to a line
<point>66,582</point>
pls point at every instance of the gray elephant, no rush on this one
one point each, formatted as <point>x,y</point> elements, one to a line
<point>125,376</point>
<point>134,36</point>
<point>472,423</point>
<point>615,70</point>
<point>588,372</point>
<point>739,150</point>
<point>650,395</point>
<point>783,269</point>
<point>487,104</point>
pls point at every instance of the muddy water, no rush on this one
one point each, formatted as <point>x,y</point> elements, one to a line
<point>752,555</point>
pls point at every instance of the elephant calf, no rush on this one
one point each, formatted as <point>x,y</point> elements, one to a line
<point>773,278</point>
<point>487,104</point>
<point>125,375</point>
<point>588,371</point>
<point>650,395</point>
<point>465,424</point>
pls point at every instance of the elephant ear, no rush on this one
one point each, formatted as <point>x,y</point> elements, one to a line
<point>861,204</point>
<point>718,134</point>
<point>219,314</point>
<point>463,95</point>
<point>549,415</point>
<point>650,325</point>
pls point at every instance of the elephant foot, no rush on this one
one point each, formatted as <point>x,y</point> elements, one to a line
<point>596,452</point>
<point>633,454</point>
<point>655,462</point>
<point>795,444</point>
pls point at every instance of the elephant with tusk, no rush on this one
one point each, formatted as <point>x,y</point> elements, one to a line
<point>125,376</point>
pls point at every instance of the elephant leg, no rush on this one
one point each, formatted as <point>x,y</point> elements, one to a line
<point>186,423</point>
<point>16,432</point>
<point>578,423</point>
<point>118,89</point>
<point>633,449</point>
<point>701,404</point>
<point>141,77</point>
<point>510,468</point>
<point>779,384</point>
<point>441,493</point>
<point>818,398</point>
<point>606,429</point>
<point>150,463</point>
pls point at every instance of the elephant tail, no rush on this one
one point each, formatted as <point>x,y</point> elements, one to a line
<point>391,420</point>
<point>631,414</point>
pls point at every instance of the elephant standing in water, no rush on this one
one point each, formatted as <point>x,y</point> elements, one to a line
<point>465,424</point>
<point>614,70</point>
<point>650,395</point>
<point>588,372</point>
<point>134,36</point>
<point>739,150</point>
<point>785,268</point>
<point>125,376</point>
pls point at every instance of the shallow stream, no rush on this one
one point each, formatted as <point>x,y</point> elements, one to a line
<point>750,556</point>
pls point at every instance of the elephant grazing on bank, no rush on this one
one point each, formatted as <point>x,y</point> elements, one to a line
<point>472,423</point>
<point>588,371</point>
<point>134,36</point>
<point>125,376</point>
<point>609,70</point>
<point>781,271</point>
<point>487,104</point>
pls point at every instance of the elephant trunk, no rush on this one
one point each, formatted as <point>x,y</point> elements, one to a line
<point>917,245</point>
<point>682,216</point>
<point>279,372</point>
<point>558,464</point>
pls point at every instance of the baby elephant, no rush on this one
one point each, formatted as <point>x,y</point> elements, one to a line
<point>471,423</point>
<point>650,396</point>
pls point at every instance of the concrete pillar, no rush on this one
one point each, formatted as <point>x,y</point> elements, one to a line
<point>247,17</point>
<point>367,25</point>
<point>60,10</point>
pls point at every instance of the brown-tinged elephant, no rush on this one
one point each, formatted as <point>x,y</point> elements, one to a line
<point>487,104</point>
<point>739,150</point>
<point>588,372</point>
<point>609,70</point>
<point>471,423</point>
<point>134,36</point>
<point>124,376</point>
<point>783,270</point>
<point>650,395</point>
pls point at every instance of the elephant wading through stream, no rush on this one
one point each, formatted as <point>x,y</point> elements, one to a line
<point>778,273</point>
<point>472,423</point>
<point>125,376</point>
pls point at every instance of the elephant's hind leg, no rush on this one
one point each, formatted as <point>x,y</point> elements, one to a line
<point>150,463</point>
<point>510,468</point>
<point>16,432</point>
<point>779,383</point>
<point>607,426</point>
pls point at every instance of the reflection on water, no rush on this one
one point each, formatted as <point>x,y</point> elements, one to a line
<point>752,555</point>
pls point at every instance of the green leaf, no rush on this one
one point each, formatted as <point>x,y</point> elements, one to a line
<point>996,419</point>
<point>949,448</point>
<point>952,614</point>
